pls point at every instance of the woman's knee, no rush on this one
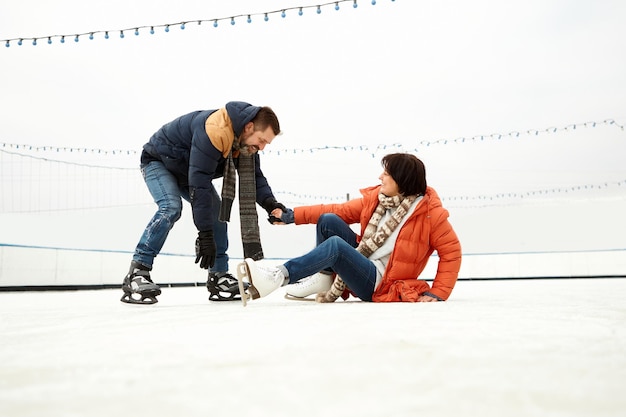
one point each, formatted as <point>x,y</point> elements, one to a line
<point>325,220</point>
<point>328,222</point>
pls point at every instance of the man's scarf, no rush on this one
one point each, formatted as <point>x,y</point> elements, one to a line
<point>250,236</point>
<point>374,236</point>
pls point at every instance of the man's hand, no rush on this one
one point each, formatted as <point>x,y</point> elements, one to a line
<point>281,216</point>
<point>205,249</point>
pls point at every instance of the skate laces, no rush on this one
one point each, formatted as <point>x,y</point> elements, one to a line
<point>273,274</point>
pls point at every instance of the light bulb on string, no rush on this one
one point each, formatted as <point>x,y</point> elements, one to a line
<point>182,25</point>
<point>49,40</point>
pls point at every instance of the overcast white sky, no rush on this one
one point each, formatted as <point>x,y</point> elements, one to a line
<point>397,72</point>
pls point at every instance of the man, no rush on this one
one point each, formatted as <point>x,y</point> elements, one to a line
<point>180,161</point>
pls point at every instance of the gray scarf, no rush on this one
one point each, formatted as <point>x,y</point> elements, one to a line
<point>250,236</point>
<point>373,237</point>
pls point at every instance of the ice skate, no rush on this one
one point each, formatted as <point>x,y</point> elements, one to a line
<point>138,287</point>
<point>262,280</point>
<point>309,286</point>
<point>222,286</point>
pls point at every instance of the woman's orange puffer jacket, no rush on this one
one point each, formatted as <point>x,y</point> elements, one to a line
<point>425,231</point>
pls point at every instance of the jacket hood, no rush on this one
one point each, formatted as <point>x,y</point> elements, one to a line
<point>240,114</point>
<point>435,201</point>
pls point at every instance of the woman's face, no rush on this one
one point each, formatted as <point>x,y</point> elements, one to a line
<point>388,186</point>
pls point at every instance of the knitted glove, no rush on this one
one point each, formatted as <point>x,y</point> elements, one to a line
<point>270,204</point>
<point>205,249</point>
<point>287,217</point>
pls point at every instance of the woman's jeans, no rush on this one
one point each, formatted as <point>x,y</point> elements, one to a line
<point>335,251</point>
<point>168,196</point>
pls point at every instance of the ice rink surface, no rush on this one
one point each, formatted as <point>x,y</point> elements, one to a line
<point>496,348</point>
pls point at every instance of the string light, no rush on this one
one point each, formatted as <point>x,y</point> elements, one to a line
<point>182,25</point>
<point>451,201</point>
<point>363,148</point>
<point>426,143</point>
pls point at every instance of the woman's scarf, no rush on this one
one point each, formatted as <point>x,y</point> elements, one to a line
<point>374,236</point>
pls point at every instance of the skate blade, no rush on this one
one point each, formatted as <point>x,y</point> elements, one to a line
<point>294,298</point>
<point>218,297</point>
<point>146,299</point>
<point>242,272</point>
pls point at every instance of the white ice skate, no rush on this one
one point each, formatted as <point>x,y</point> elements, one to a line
<point>309,286</point>
<point>262,280</point>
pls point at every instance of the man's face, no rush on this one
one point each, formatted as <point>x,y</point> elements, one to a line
<point>255,140</point>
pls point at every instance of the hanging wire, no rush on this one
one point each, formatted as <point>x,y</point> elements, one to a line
<point>373,149</point>
<point>136,29</point>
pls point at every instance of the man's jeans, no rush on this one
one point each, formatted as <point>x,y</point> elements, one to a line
<point>336,252</point>
<point>168,196</point>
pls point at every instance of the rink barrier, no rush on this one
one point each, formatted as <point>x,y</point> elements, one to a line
<point>41,268</point>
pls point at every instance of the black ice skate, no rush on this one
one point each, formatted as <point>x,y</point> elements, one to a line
<point>138,287</point>
<point>222,286</point>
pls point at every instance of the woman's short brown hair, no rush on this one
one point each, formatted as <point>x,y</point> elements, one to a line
<point>408,171</point>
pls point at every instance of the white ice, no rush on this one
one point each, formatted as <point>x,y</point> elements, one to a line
<point>496,348</point>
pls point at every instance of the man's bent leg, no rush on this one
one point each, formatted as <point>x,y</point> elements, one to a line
<point>164,189</point>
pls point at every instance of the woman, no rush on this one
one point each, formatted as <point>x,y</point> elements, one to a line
<point>402,224</point>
